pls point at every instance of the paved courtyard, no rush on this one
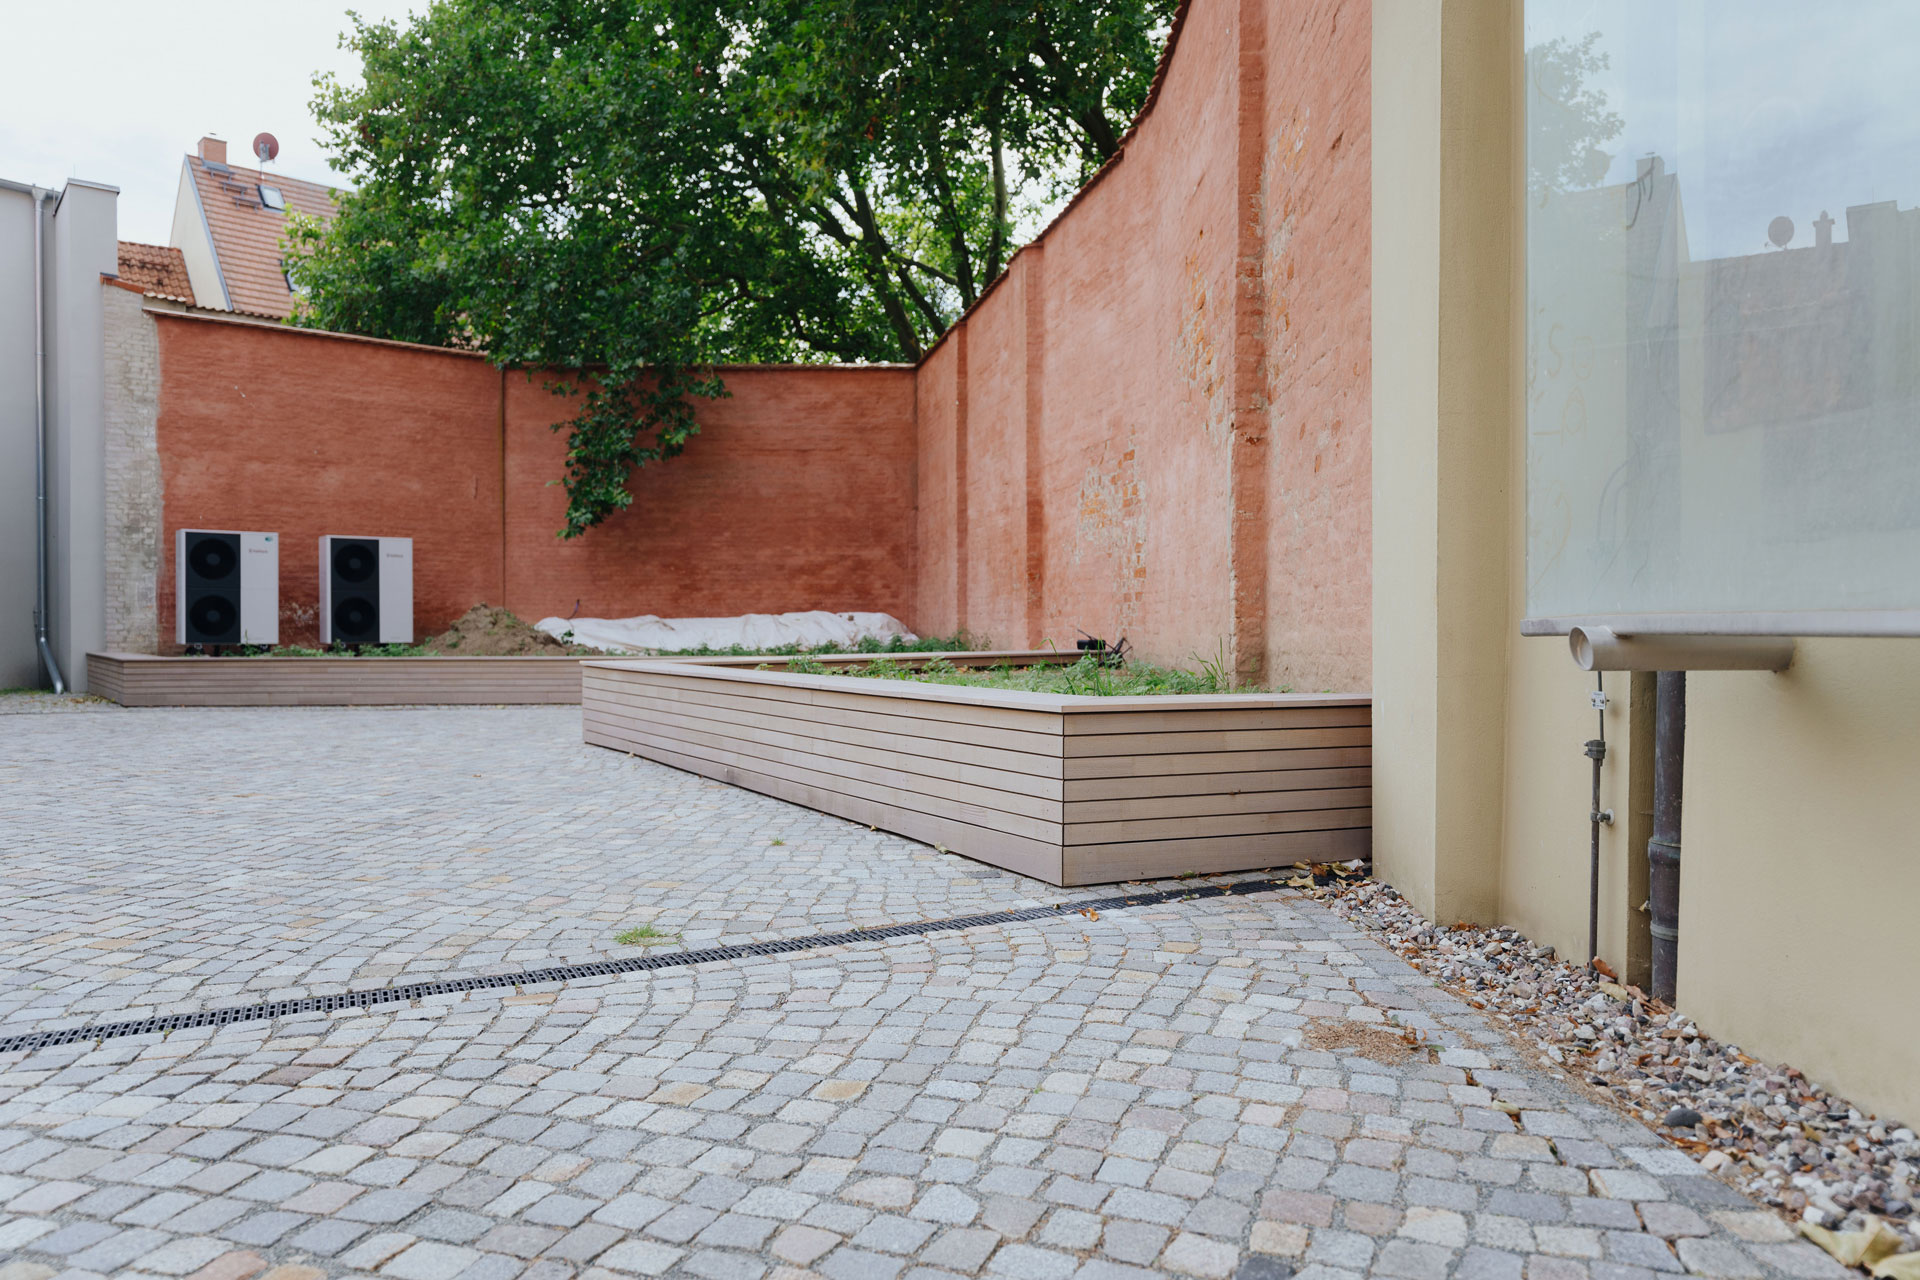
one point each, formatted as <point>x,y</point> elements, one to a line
<point>1211,1088</point>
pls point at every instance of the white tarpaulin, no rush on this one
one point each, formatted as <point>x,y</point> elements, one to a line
<point>754,631</point>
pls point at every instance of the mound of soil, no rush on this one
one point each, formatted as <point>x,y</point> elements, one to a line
<point>487,631</point>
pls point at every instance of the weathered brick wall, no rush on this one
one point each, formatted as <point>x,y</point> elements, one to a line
<point>940,512</point>
<point>1156,425</point>
<point>1160,414</point>
<point>304,434</point>
<point>133,498</point>
<point>1316,269</point>
<point>796,494</point>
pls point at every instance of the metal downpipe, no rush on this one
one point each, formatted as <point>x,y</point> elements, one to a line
<point>1663,849</point>
<point>1596,752</point>
<point>40,440</point>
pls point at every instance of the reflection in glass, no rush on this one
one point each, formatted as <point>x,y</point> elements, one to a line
<point>1723,403</point>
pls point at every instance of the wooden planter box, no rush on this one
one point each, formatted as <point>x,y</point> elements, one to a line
<point>143,680</point>
<point>1069,790</point>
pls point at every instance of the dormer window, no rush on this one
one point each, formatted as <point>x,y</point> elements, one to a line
<point>270,198</point>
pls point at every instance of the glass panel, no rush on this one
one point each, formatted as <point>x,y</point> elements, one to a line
<point>1723,339</point>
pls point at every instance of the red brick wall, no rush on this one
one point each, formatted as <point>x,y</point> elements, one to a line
<point>308,434</point>
<point>796,494</point>
<point>1165,400</point>
<point>1316,178</point>
<point>1155,425</point>
<point>941,515</point>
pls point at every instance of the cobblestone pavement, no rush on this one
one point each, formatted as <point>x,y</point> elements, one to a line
<point>1210,1088</point>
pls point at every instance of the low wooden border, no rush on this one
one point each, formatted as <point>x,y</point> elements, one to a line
<point>147,680</point>
<point>144,680</point>
<point>1071,790</point>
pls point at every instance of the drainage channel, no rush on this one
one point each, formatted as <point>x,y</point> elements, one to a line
<point>609,968</point>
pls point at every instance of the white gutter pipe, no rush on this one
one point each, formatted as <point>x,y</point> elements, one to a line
<point>1600,649</point>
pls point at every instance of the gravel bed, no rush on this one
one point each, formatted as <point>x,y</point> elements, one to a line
<point>1767,1129</point>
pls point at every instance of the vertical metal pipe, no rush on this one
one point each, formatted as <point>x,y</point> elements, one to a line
<point>1597,752</point>
<point>1663,849</point>
<point>40,452</point>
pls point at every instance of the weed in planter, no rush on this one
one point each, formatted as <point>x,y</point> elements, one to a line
<point>960,642</point>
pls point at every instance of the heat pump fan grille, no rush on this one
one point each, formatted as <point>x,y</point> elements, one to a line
<point>353,619</point>
<point>213,559</point>
<point>214,619</point>
<point>353,561</point>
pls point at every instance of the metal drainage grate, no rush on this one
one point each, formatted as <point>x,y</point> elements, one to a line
<point>607,968</point>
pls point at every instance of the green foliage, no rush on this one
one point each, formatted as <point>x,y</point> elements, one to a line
<point>959,642</point>
<point>1088,677</point>
<point>336,650</point>
<point>642,935</point>
<point>624,193</point>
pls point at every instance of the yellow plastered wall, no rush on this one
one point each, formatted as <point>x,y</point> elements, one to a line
<point>1441,358</point>
<point>1800,866</point>
<point>1800,880</point>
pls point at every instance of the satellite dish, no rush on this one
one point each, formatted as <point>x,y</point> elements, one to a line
<point>266,146</point>
<point>1780,231</point>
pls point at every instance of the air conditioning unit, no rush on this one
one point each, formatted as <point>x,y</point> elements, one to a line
<point>366,590</point>
<point>226,587</point>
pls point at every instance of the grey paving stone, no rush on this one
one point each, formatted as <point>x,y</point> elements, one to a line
<point>1639,1249</point>
<point>382,1207</point>
<point>116,1251</point>
<point>328,1237</point>
<point>1481,1263</point>
<point>264,1228</point>
<point>1410,1260</point>
<point>1721,1258</point>
<point>1099,1098</point>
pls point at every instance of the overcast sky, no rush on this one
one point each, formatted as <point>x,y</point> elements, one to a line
<point>118,91</point>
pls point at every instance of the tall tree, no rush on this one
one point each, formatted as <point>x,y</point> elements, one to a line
<point>628,192</point>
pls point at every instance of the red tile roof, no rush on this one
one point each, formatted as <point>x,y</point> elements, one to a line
<point>247,234</point>
<point>157,270</point>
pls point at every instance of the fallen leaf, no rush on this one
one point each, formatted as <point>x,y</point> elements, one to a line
<point>1617,991</point>
<point>1874,1243</point>
<point>1507,1107</point>
<point>1601,966</point>
<point>1901,1266</point>
<point>1091,914</point>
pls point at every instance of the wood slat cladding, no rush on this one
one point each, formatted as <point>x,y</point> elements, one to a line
<point>142,680</point>
<point>1069,790</point>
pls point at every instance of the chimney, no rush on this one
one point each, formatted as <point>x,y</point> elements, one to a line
<point>213,150</point>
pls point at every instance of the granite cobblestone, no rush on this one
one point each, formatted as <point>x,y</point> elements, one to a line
<point>1134,1094</point>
